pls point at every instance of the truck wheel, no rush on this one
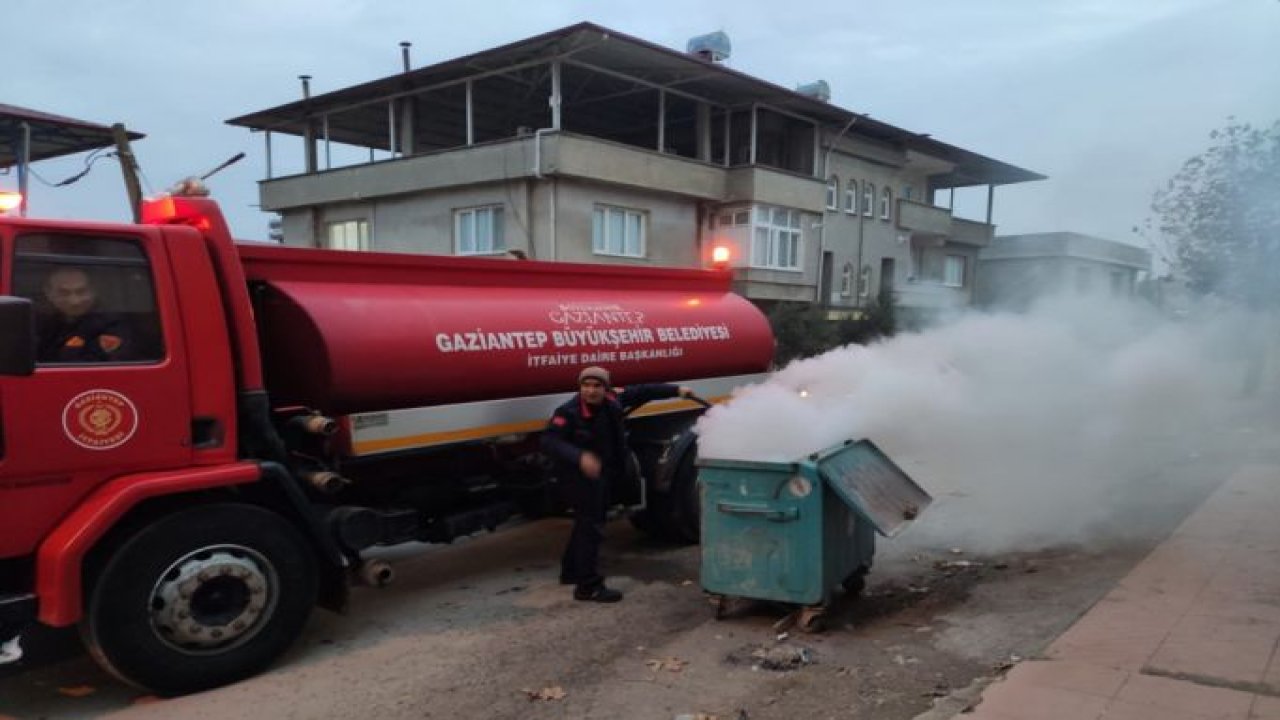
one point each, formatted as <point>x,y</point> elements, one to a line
<point>685,519</point>
<point>201,598</point>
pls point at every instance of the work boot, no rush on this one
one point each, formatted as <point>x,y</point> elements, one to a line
<point>597,593</point>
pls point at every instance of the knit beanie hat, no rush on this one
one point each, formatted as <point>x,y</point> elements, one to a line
<point>594,373</point>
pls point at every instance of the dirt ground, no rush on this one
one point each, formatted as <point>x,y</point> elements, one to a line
<point>481,629</point>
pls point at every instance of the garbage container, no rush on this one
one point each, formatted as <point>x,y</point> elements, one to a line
<point>791,532</point>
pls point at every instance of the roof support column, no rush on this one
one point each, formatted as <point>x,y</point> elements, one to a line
<point>328,155</point>
<point>754,129</point>
<point>728,126</point>
<point>309,146</point>
<point>471,120</point>
<point>704,132</point>
<point>991,201</point>
<point>662,121</point>
<point>24,169</point>
<point>392,134</point>
<point>406,112</point>
<point>267,138</point>
<point>555,94</point>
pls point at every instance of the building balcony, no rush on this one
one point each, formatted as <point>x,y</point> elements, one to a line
<point>923,219</point>
<point>971,232</point>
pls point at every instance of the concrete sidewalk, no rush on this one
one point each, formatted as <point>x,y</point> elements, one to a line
<point>1189,634</point>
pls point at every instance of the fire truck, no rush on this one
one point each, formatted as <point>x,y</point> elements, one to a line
<point>249,420</point>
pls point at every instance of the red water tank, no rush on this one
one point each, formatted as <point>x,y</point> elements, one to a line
<point>347,332</point>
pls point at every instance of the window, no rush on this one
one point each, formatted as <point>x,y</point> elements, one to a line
<point>908,192</point>
<point>617,231</point>
<point>776,238</point>
<point>846,280</point>
<point>93,298</point>
<point>886,203</point>
<point>864,281</point>
<point>478,231</point>
<point>868,199</point>
<point>851,198</point>
<point>833,193</point>
<point>348,235</point>
<point>953,270</point>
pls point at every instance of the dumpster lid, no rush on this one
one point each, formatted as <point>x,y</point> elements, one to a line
<point>871,484</point>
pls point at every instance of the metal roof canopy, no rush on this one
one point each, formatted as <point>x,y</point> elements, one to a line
<point>351,117</point>
<point>51,135</point>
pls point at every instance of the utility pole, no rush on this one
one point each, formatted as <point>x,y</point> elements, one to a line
<point>128,166</point>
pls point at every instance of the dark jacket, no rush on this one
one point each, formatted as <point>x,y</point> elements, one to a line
<point>93,337</point>
<point>576,427</point>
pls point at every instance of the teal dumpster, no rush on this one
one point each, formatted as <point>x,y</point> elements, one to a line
<point>792,531</point>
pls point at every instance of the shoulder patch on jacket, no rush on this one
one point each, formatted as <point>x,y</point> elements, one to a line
<point>559,421</point>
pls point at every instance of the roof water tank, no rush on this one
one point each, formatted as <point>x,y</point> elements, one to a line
<point>712,46</point>
<point>819,90</point>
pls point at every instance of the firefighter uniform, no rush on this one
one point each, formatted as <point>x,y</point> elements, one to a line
<point>93,337</point>
<point>575,428</point>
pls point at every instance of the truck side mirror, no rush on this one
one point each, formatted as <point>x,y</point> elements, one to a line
<point>17,336</point>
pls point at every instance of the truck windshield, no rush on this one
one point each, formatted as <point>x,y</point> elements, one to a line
<point>94,298</point>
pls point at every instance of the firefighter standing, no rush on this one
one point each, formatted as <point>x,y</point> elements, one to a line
<point>587,441</point>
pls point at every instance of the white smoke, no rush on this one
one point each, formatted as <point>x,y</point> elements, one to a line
<point>1027,429</point>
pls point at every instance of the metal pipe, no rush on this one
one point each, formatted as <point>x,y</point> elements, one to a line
<point>326,481</point>
<point>404,53</point>
<point>306,86</point>
<point>315,424</point>
<point>376,573</point>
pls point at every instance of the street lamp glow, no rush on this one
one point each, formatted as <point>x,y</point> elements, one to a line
<point>9,200</point>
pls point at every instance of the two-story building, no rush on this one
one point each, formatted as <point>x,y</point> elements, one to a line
<point>1016,270</point>
<point>586,144</point>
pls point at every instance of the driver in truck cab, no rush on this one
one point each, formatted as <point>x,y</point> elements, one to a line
<point>76,331</point>
<point>587,441</point>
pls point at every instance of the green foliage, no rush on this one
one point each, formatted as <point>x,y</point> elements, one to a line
<point>1217,221</point>
<point>802,329</point>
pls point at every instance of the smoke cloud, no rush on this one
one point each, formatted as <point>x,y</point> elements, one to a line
<point>1028,429</point>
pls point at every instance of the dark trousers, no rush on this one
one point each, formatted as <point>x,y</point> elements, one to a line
<point>580,564</point>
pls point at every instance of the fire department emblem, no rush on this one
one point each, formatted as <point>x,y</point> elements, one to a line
<point>100,419</point>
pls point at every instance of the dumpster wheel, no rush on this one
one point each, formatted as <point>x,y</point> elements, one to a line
<point>812,619</point>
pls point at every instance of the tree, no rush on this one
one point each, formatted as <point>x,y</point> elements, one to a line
<point>1216,223</point>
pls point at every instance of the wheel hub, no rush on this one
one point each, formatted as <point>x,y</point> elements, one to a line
<point>212,598</point>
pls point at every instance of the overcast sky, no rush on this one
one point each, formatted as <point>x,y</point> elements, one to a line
<point>1106,97</point>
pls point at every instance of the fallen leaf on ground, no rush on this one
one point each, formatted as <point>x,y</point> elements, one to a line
<point>77,691</point>
<point>555,692</point>
<point>670,664</point>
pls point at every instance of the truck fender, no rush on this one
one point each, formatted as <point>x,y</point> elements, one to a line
<point>59,561</point>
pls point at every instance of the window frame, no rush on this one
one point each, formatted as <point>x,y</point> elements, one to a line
<point>868,199</point>
<point>886,203</point>
<point>497,244</point>
<point>777,236</point>
<point>600,212</point>
<point>363,237</point>
<point>833,193</point>
<point>851,198</point>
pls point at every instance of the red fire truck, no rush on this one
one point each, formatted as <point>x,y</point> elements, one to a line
<point>257,417</point>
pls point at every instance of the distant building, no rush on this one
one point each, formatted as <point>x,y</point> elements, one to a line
<point>586,144</point>
<point>1015,270</point>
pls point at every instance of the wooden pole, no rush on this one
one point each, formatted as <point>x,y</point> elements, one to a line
<point>128,166</point>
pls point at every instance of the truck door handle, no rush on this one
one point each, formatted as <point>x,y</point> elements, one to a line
<point>768,513</point>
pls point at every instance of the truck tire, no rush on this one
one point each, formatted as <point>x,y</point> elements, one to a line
<point>201,598</point>
<point>685,520</point>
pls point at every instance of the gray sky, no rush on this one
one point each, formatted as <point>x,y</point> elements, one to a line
<point>1107,97</point>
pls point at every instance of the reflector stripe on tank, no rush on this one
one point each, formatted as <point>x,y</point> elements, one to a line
<point>423,427</point>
